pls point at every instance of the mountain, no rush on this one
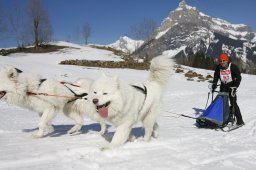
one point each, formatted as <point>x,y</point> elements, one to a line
<point>126,44</point>
<point>188,30</point>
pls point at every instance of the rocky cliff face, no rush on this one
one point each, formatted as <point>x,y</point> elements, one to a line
<point>188,30</point>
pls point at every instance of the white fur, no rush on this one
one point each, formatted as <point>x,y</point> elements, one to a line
<point>129,105</point>
<point>16,85</point>
<point>75,110</point>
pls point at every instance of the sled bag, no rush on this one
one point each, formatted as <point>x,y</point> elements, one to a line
<point>218,111</point>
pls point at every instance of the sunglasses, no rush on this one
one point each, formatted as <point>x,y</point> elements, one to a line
<point>222,61</point>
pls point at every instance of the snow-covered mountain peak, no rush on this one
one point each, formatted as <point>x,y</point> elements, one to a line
<point>182,14</point>
<point>187,15</point>
<point>184,6</point>
<point>126,44</point>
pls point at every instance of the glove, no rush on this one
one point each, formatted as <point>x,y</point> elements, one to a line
<point>233,91</point>
<point>214,86</point>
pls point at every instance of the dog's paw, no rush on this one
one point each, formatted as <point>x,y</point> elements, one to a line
<point>50,129</point>
<point>102,132</point>
<point>132,138</point>
<point>37,136</point>
<point>146,139</point>
<point>155,134</point>
<point>74,129</point>
<point>104,148</point>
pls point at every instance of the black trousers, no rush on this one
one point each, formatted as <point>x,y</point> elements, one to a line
<point>238,114</point>
<point>233,103</point>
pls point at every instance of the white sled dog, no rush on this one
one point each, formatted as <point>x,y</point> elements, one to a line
<point>123,105</point>
<point>44,96</point>
<point>83,106</point>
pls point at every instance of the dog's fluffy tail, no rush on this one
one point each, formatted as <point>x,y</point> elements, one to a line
<point>161,70</point>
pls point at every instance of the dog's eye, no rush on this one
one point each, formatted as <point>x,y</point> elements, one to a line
<point>105,93</point>
<point>95,92</point>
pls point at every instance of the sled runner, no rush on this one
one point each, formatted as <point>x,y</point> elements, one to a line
<point>230,128</point>
<point>218,114</point>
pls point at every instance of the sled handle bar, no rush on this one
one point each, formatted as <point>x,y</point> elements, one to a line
<point>233,91</point>
<point>210,85</point>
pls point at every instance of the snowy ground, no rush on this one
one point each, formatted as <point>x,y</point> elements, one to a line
<point>180,145</point>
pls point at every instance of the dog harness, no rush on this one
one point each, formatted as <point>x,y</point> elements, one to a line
<point>73,98</point>
<point>144,91</point>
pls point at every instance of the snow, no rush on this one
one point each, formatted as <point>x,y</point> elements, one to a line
<point>204,15</point>
<point>231,29</point>
<point>160,34</point>
<point>180,145</point>
<point>184,5</point>
<point>219,21</point>
<point>173,52</point>
<point>126,44</point>
<point>232,37</point>
<point>254,39</point>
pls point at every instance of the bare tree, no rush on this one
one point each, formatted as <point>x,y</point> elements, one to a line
<point>86,32</point>
<point>143,30</point>
<point>41,25</point>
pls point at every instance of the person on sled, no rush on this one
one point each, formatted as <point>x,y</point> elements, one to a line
<point>230,78</point>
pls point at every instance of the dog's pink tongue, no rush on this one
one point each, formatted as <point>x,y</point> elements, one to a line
<point>103,111</point>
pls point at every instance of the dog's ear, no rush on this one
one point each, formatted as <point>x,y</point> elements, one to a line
<point>18,70</point>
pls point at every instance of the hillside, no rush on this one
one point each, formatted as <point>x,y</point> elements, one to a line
<point>181,145</point>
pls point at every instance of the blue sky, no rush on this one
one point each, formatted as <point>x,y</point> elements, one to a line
<point>110,19</point>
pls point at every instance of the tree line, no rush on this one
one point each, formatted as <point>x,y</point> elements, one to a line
<point>197,60</point>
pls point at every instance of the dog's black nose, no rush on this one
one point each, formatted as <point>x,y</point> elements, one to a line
<point>95,101</point>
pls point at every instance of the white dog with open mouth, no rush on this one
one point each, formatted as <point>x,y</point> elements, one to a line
<point>123,105</point>
<point>82,106</point>
<point>44,96</point>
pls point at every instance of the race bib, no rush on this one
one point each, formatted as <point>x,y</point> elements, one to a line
<point>225,75</point>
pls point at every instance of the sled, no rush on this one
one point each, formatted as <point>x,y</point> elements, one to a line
<point>218,114</point>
